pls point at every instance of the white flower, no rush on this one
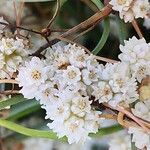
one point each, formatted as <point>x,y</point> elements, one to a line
<point>120,5</point>
<point>92,121</point>
<point>142,110</point>
<point>58,112</point>
<point>33,73</point>
<point>130,9</point>
<point>12,54</point>
<point>71,75</point>
<point>80,106</point>
<point>137,134</point>
<point>141,8</point>
<point>29,91</point>
<point>74,128</point>
<point>128,16</point>
<point>46,93</point>
<point>77,56</point>
<point>89,76</point>
<point>136,53</point>
<point>141,69</point>
<point>102,92</point>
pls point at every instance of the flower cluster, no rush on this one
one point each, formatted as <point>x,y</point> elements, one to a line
<point>12,53</point>
<point>62,85</point>
<point>136,53</point>
<point>69,83</point>
<point>130,9</point>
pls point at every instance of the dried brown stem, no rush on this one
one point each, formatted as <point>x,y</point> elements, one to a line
<point>92,21</point>
<point>55,14</point>
<point>137,29</point>
<point>8,81</point>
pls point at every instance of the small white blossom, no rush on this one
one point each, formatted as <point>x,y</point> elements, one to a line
<point>136,53</point>
<point>137,134</point>
<point>120,5</point>
<point>89,76</point>
<point>71,75</point>
<point>142,110</point>
<point>80,106</point>
<point>141,8</point>
<point>130,9</point>
<point>12,54</point>
<point>102,92</point>
<point>78,58</point>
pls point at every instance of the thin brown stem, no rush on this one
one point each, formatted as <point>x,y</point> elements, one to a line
<point>84,32</point>
<point>8,81</point>
<point>92,21</point>
<point>55,14</point>
<point>19,27</point>
<point>137,29</point>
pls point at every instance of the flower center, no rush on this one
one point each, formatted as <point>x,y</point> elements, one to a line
<point>73,127</point>
<point>121,2</point>
<point>81,104</point>
<point>106,91</point>
<point>80,58</point>
<point>72,74</point>
<point>120,82</point>
<point>36,75</point>
<point>143,8</point>
<point>92,75</point>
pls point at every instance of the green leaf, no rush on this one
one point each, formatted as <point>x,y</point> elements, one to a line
<point>11,101</point>
<point>122,30</point>
<point>106,31</point>
<point>50,134</point>
<point>22,109</point>
<point>29,132</point>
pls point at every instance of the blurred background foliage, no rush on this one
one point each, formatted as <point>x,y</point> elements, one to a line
<point>36,15</point>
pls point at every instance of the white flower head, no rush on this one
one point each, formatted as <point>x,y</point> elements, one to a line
<point>77,56</point>
<point>74,128</point>
<point>141,8</point>
<point>33,73</point>
<point>58,111</point>
<point>47,93</point>
<point>102,92</point>
<point>71,75</point>
<point>12,54</point>
<point>80,106</point>
<point>120,5</point>
<point>89,76</point>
